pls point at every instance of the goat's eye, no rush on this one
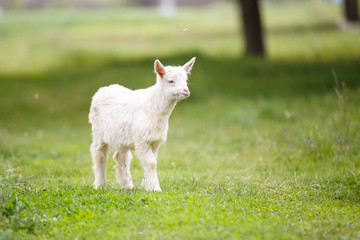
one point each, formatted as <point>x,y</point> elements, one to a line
<point>171,81</point>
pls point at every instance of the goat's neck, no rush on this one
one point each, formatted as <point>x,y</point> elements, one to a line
<point>163,106</point>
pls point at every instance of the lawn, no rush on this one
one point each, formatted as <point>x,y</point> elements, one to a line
<point>263,149</point>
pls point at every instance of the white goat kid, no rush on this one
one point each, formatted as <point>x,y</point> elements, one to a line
<point>135,119</point>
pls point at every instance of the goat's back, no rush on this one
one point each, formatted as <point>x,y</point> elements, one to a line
<point>108,100</point>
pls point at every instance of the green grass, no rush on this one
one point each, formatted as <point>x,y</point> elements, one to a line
<point>261,149</point>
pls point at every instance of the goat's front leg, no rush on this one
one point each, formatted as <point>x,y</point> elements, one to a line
<point>122,167</point>
<point>147,156</point>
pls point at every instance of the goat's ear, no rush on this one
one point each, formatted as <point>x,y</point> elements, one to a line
<point>188,66</point>
<point>159,68</point>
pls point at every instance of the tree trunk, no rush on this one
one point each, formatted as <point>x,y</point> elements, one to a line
<point>351,11</point>
<point>252,27</point>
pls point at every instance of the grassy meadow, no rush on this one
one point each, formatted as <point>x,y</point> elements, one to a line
<point>263,149</point>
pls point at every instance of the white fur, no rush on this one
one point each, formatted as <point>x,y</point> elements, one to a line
<point>135,119</point>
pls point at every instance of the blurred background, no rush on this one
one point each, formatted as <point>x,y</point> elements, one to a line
<point>40,34</point>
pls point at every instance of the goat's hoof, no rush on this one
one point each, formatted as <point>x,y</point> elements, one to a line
<point>151,185</point>
<point>99,185</point>
<point>128,186</point>
<point>125,183</point>
<point>153,189</point>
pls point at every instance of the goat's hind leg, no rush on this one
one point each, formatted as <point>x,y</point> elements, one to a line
<point>122,167</point>
<point>99,152</point>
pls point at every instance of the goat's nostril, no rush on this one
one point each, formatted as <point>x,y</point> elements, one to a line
<point>186,92</point>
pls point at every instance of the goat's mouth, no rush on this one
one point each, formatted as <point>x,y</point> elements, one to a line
<point>181,95</point>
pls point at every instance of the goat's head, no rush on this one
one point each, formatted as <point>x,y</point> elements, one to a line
<point>174,79</point>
